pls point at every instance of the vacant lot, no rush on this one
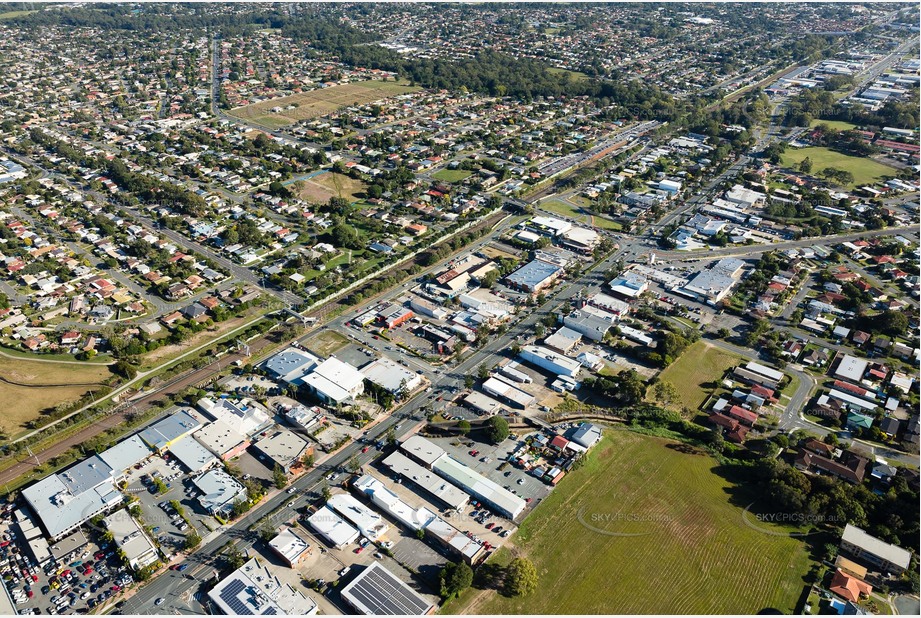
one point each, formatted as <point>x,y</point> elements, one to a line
<point>577,213</point>
<point>326,342</point>
<point>865,170</point>
<point>837,125</point>
<point>319,102</point>
<point>646,528</point>
<point>451,175</point>
<point>321,187</point>
<point>28,387</point>
<point>699,366</point>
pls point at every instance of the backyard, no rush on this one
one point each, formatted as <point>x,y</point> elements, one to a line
<point>693,374</point>
<point>35,386</point>
<point>646,527</point>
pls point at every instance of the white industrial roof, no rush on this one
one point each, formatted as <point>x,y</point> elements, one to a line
<point>252,590</point>
<point>166,430</point>
<point>424,450</point>
<point>131,539</point>
<point>243,416</point>
<point>391,376</point>
<point>289,545</point>
<point>427,480</point>
<point>192,455</point>
<point>126,453</point>
<point>852,368</point>
<point>335,379</point>
<point>336,530</point>
<point>368,522</point>
<point>872,545</point>
<point>219,437</point>
<point>587,435</point>
<point>219,490</point>
<point>480,486</point>
<point>60,509</point>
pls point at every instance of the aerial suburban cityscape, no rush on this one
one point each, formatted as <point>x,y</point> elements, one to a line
<point>459,308</point>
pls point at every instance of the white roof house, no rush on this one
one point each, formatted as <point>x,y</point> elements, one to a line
<point>438,487</point>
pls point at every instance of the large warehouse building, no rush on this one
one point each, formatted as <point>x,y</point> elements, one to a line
<point>333,528</point>
<point>483,489</point>
<point>378,592</point>
<point>252,590</point>
<point>335,382</point>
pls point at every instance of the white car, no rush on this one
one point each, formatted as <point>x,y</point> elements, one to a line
<point>291,504</point>
<point>159,601</point>
<point>292,490</point>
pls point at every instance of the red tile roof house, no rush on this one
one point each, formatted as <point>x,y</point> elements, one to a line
<point>559,443</point>
<point>745,417</point>
<point>70,338</point>
<point>848,587</point>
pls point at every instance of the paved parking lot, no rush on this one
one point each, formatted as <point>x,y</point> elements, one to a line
<point>488,461</point>
<point>418,556</point>
<point>79,576</point>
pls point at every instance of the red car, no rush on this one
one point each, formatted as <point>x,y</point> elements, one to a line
<point>4,543</point>
<point>99,555</point>
<point>34,577</point>
<point>359,549</point>
<point>65,573</point>
<point>30,594</point>
<point>88,570</point>
<point>365,449</point>
<point>116,588</point>
<point>490,525</point>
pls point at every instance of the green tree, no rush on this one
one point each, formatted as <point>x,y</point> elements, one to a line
<point>805,166</point>
<point>463,427</point>
<point>279,477</point>
<point>192,540</point>
<point>454,579</point>
<point>326,492</point>
<point>520,577</point>
<point>497,429</point>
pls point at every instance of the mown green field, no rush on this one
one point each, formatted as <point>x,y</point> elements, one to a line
<point>702,363</point>
<point>837,125</point>
<point>865,171</point>
<point>647,528</point>
<point>451,175</point>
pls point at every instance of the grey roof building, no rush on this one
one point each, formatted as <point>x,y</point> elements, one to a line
<point>162,434</point>
<point>534,276</point>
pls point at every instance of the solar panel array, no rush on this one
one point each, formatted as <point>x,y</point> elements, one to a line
<point>229,595</point>
<point>379,592</point>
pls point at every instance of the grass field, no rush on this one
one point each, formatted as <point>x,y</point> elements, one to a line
<point>837,125</point>
<point>35,386</point>
<point>702,363</point>
<point>319,102</point>
<point>15,14</point>
<point>574,212</point>
<point>331,184</point>
<point>326,342</point>
<point>865,170</point>
<point>647,528</point>
<point>575,76</point>
<point>452,175</point>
